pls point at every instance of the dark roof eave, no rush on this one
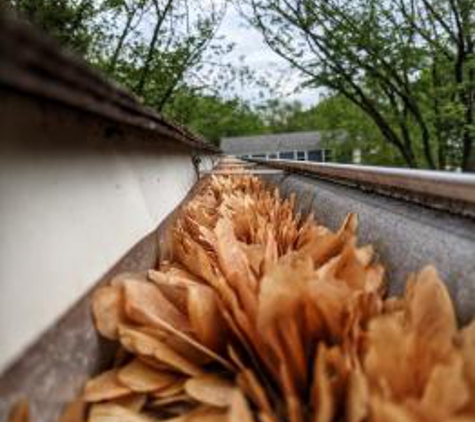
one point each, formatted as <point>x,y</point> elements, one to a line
<point>34,64</point>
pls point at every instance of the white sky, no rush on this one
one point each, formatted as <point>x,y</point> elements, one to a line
<point>262,60</point>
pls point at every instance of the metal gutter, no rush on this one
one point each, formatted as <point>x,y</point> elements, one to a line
<point>52,371</point>
<point>406,236</point>
<point>452,192</point>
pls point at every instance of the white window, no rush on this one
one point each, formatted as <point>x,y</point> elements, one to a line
<point>287,155</point>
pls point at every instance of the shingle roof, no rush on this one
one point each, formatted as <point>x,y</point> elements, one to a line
<point>36,65</point>
<point>271,143</point>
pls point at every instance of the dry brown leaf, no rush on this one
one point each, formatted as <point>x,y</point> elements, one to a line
<point>353,268</point>
<point>324,400</point>
<point>177,387</point>
<point>119,279</point>
<point>114,413</point>
<point>403,352</point>
<point>147,311</point>
<point>148,346</point>
<point>250,280</point>
<point>255,255</point>
<point>134,402</point>
<point>193,256</point>
<point>207,414</point>
<point>252,387</point>
<point>239,410</point>
<point>235,266</point>
<point>137,342</point>
<point>210,389</point>
<point>431,311</point>
<point>107,308</point>
<point>446,392</point>
<point>468,355</point>
<point>386,411</point>
<point>145,304</point>
<point>271,254</point>
<point>357,405</point>
<point>19,412</point>
<point>284,288</point>
<point>292,400</point>
<point>183,347</point>
<point>174,289</point>
<point>386,363</point>
<point>285,340</point>
<point>121,355</point>
<point>142,378</point>
<point>74,412</point>
<point>104,387</point>
<point>165,401</point>
<point>328,245</point>
<point>169,356</point>
<point>201,414</point>
<point>394,304</point>
<point>432,322</point>
<point>205,317</point>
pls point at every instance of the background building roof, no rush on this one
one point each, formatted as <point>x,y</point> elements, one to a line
<point>271,143</point>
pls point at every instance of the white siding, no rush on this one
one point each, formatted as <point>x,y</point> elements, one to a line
<point>72,203</point>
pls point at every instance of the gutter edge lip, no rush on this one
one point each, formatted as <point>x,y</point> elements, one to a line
<point>34,64</point>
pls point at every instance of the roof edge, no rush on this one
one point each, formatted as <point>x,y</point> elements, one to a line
<point>35,64</point>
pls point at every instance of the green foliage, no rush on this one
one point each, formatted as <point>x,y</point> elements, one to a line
<point>152,47</point>
<point>66,20</point>
<point>407,64</point>
<point>399,74</point>
<point>215,117</point>
<point>344,126</point>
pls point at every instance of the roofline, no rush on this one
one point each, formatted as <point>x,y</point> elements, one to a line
<point>276,135</point>
<point>34,64</point>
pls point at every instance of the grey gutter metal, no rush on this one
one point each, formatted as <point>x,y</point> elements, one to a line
<point>35,65</point>
<point>452,192</point>
<point>406,236</point>
<point>242,172</point>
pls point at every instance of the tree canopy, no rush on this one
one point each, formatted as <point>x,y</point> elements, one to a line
<point>398,75</point>
<point>407,64</point>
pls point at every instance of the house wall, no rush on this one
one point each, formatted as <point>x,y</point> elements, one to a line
<point>76,194</point>
<point>306,155</point>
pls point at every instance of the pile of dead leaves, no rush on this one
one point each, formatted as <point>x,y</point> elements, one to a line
<point>257,314</point>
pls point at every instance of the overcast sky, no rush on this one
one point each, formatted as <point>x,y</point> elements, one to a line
<point>262,60</point>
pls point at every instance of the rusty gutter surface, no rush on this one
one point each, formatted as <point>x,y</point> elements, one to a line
<point>35,65</point>
<point>451,192</point>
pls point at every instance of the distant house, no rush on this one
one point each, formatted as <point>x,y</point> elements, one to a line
<point>302,146</point>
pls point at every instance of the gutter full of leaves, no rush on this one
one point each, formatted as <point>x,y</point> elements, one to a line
<point>259,314</point>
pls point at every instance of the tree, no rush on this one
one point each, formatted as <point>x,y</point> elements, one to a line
<point>66,20</point>
<point>383,56</point>
<point>345,128</point>
<point>165,51</point>
<point>132,11</point>
<point>155,57</point>
<point>215,117</point>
